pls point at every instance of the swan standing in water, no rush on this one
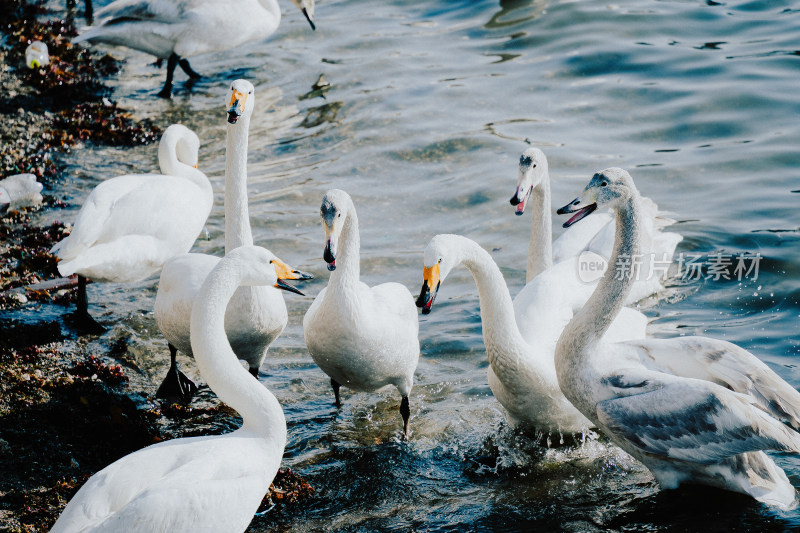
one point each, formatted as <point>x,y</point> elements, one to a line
<point>129,226</point>
<point>177,29</point>
<point>256,315</point>
<point>362,337</point>
<point>520,346</point>
<point>597,236</point>
<point>212,483</point>
<point>692,409</point>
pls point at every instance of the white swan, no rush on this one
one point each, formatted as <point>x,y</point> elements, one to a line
<point>20,190</point>
<point>178,29</point>
<point>362,337</point>
<point>256,316</point>
<point>520,346</point>
<point>129,226</point>
<point>533,187</point>
<point>212,483</point>
<point>692,409</point>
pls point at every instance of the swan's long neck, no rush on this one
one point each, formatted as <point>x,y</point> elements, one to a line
<point>500,332</point>
<point>592,321</point>
<point>348,259</point>
<point>237,215</point>
<point>220,367</point>
<point>170,165</point>
<point>540,249</point>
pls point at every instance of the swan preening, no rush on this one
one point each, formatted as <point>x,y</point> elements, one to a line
<point>362,337</point>
<point>180,29</point>
<point>129,226</point>
<point>256,315</point>
<point>692,409</point>
<point>212,483</point>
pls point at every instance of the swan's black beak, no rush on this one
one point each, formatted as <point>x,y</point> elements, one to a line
<point>236,107</point>
<point>309,19</point>
<point>520,200</point>
<point>284,271</point>
<point>430,288</point>
<point>286,287</point>
<point>234,112</point>
<point>301,275</point>
<point>329,255</point>
<point>581,212</point>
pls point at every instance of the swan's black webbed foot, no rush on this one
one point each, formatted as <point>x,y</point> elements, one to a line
<point>176,384</point>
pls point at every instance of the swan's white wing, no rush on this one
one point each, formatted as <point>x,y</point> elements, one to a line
<point>545,306</point>
<point>96,210</point>
<point>726,364</point>
<point>142,10</point>
<point>397,302</point>
<point>687,419</point>
<point>192,484</point>
<point>578,238</point>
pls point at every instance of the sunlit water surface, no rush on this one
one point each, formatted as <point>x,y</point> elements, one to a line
<point>430,106</point>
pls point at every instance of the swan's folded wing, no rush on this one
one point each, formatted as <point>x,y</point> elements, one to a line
<point>725,364</point>
<point>396,300</point>
<point>171,486</point>
<point>139,10</point>
<point>688,419</point>
<point>579,238</point>
<point>211,505</point>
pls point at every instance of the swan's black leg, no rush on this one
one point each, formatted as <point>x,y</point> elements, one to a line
<point>89,12</point>
<point>82,305</point>
<point>187,68</point>
<point>405,412</point>
<point>336,387</point>
<point>176,384</point>
<point>83,320</point>
<point>172,62</point>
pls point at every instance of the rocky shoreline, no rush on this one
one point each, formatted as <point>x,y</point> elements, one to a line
<point>67,407</point>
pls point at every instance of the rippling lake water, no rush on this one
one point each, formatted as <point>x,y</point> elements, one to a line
<point>430,106</point>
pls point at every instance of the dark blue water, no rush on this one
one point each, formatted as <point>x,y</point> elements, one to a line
<point>431,104</point>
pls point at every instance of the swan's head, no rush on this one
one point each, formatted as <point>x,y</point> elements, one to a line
<point>259,266</point>
<point>532,170</point>
<point>333,211</point>
<point>608,188</point>
<point>439,259</point>
<point>307,7</point>
<point>186,144</point>
<point>240,100</point>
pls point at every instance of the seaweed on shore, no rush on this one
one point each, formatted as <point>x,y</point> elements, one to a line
<point>26,259</point>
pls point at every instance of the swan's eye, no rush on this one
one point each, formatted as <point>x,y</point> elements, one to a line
<point>339,215</point>
<point>440,260</point>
